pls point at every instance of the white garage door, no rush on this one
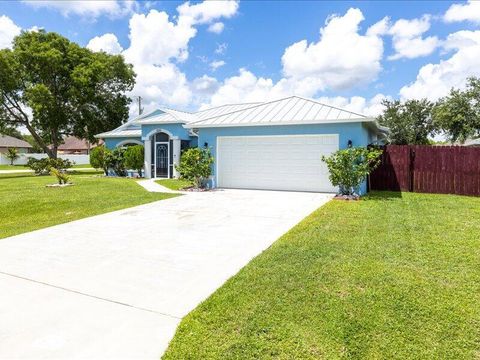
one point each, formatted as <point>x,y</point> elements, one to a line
<point>290,162</point>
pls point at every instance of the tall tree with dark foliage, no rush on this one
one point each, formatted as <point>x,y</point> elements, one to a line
<point>54,88</point>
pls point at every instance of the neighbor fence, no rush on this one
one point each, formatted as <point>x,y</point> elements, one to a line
<point>428,169</point>
<point>23,158</point>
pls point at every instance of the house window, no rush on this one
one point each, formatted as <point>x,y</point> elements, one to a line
<point>161,137</point>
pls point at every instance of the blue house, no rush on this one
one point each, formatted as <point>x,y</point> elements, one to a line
<point>275,145</point>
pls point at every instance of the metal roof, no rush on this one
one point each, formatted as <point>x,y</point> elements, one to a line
<point>223,109</point>
<point>164,115</point>
<point>169,116</point>
<point>12,142</point>
<point>287,111</point>
<point>290,110</point>
<point>120,133</point>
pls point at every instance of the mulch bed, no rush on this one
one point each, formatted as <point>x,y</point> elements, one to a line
<point>59,185</point>
<point>347,197</point>
<point>193,189</point>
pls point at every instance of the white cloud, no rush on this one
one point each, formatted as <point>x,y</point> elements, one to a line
<point>342,58</point>
<point>207,11</point>
<point>408,41</point>
<point>469,11</point>
<point>436,80</point>
<point>8,30</point>
<point>161,85</point>
<point>170,38</point>
<point>35,28</point>
<point>370,107</point>
<point>221,48</point>
<point>214,65</point>
<point>379,28</point>
<point>246,87</point>
<point>107,42</point>
<point>86,8</point>
<point>204,86</point>
<point>158,43</point>
<point>216,28</point>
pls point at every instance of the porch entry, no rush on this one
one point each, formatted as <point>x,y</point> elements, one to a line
<point>162,155</point>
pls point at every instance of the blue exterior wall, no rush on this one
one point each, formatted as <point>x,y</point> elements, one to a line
<point>111,143</point>
<point>356,132</point>
<point>359,134</point>
<point>174,129</point>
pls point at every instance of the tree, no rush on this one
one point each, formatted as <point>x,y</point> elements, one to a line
<point>458,114</point>
<point>35,147</point>
<point>10,131</point>
<point>350,167</point>
<point>43,166</point>
<point>115,160</point>
<point>98,157</point>
<point>409,122</point>
<point>134,158</point>
<point>195,165</point>
<point>12,155</point>
<point>70,90</point>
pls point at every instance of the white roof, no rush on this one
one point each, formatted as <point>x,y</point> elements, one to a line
<point>290,110</point>
<point>164,116</point>
<point>169,116</point>
<point>286,111</point>
<point>129,129</point>
<point>223,109</point>
<point>120,133</point>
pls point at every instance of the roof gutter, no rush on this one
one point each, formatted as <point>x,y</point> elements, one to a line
<point>315,122</point>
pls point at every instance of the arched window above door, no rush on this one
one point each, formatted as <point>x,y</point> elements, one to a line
<point>161,137</point>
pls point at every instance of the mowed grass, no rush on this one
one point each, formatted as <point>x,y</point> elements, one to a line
<point>26,204</point>
<point>389,277</point>
<point>25,167</point>
<point>174,184</point>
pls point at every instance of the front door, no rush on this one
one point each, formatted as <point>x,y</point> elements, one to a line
<point>161,160</point>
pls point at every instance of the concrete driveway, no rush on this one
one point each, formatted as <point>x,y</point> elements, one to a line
<point>116,285</point>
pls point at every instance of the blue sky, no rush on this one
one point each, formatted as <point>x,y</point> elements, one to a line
<point>350,54</point>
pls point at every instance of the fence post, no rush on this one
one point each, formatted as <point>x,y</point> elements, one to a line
<point>411,168</point>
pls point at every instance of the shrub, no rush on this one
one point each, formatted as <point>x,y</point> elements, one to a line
<point>350,167</point>
<point>134,158</point>
<point>97,158</point>
<point>12,155</point>
<point>195,165</point>
<point>115,160</point>
<point>61,175</point>
<point>43,166</point>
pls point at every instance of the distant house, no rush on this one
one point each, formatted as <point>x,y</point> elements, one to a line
<point>11,142</point>
<point>472,142</point>
<point>74,145</point>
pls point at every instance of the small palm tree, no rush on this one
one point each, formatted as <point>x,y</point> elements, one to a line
<point>12,155</point>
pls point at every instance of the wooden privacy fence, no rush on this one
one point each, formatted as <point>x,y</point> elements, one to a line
<point>429,169</point>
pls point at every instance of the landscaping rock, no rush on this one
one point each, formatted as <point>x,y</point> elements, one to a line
<point>59,185</point>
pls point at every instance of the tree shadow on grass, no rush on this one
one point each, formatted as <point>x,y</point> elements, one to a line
<point>383,195</point>
<point>15,176</point>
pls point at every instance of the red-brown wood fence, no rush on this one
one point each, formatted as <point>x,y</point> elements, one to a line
<point>429,169</point>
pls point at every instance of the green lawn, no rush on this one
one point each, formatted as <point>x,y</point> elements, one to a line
<point>26,204</point>
<point>25,167</point>
<point>13,167</point>
<point>174,184</point>
<point>390,277</point>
